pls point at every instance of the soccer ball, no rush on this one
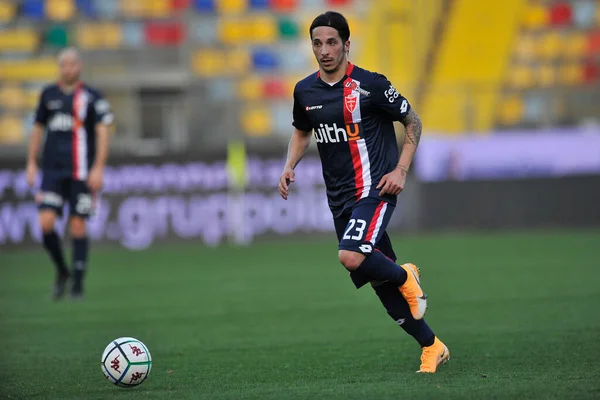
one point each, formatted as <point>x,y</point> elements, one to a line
<point>126,362</point>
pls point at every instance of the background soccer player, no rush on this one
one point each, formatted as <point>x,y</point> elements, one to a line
<point>75,119</point>
<point>351,111</point>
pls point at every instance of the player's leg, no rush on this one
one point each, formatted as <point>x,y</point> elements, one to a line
<point>50,203</point>
<point>341,223</point>
<point>80,208</point>
<point>358,254</point>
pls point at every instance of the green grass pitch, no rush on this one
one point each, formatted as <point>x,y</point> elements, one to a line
<point>520,313</point>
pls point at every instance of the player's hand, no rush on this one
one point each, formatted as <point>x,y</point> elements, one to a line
<point>31,171</point>
<point>95,179</point>
<point>393,182</point>
<point>286,178</point>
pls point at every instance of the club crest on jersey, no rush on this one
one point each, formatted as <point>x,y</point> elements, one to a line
<point>350,101</point>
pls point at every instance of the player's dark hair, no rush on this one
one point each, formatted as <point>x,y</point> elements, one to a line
<point>335,20</point>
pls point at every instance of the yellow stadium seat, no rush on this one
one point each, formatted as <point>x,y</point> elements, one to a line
<point>256,121</point>
<point>134,8</point>
<point>11,130</point>
<point>111,35</point>
<point>208,63</point>
<point>511,110</point>
<point>32,97</point>
<point>60,10</point>
<point>231,6</point>
<point>7,11</point>
<point>571,74</point>
<point>263,29</point>
<point>238,61</point>
<point>521,77</point>
<point>232,30</point>
<point>158,8</point>
<point>546,76</point>
<point>575,45</point>
<point>18,40</point>
<point>99,36</point>
<point>40,70</point>
<point>250,88</point>
<point>551,45</point>
<point>526,48</point>
<point>535,17</point>
<point>12,97</point>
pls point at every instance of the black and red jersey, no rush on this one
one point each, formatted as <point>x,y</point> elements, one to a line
<point>352,122</point>
<point>70,120</point>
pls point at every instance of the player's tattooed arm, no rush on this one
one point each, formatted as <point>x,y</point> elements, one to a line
<point>413,126</point>
<point>412,136</point>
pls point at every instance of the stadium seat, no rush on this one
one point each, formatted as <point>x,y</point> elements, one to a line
<point>11,130</point>
<point>99,36</point>
<point>521,77</point>
<point>571,74</point>
<point>231,6</point>
<point>237,61</point>
<point>288,28</point>
<point>108,8</point>
<point>7,11</point>
<point>274,88</point>
<point>260,5</point>
<point>86,8</point>
<point>158,8</point>
<point>33,9</point>
<point>561,14</point>
<point>232,30</point>
<point>591,72</point>
<point>60,10</point>
<point>576,45</point>
<point>212,62</point>
<point>12,97</point>
<point>164,33</point>
<point>133,34</point>
<point>593,45</point>
<point>133,8</point>
<point>256,121</point>
<point>264,60</point>
<point>262,29</point>
<point>535,104</point>
<point>283,5</point>
<point>527,48</point>
<point>551,45</point>
<point>250,88</point>
<point>57,37</point>
<point>338,3</point>
<point>546,75</point>
<point>584,14</point>
<point>221,90</point>
<point>18,40</point>
<point>180,5</point>
<point>511,110</point>
<point>204,30</point>
<point>205,6</point>
<point>535,17</point>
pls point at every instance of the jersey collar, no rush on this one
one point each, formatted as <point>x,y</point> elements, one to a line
<point>349,70</point>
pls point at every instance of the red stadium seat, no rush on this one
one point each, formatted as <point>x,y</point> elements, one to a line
<point>594,42</point>
<point>283,5</point>
<point>274,88</point>
<point>561,14</point>
<point>164,33</point>
<point>180,5</point>
<point>591,71</point>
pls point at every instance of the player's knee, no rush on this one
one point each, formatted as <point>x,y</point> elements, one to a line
<point>46,220</point>
<point>77,227</point>
<point>351,260</point>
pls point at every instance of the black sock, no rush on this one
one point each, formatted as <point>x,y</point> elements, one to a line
<point>80,258</point>
<point>397,308</point>
<point>54,247</point>
<point>377,267</point>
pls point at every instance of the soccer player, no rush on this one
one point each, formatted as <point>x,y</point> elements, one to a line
<point>75,120</point>
<point>351,111</point>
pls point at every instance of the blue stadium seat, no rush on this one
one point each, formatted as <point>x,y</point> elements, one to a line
<point>33,9</point>
<point>259,4</point>
<point>584,14</point>
<point>86,7</point>
<point>107,8</point>
<point>204,6</point>
<point>133,34</point>
<point>264,60</point>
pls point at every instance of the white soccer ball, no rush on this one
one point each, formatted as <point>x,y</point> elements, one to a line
<point>126,362</point>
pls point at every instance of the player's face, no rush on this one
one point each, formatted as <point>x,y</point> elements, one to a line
<point>328,48</point>
<point>70,68</point>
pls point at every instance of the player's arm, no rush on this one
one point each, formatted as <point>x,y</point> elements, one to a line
<point>103,119</point>
<point>296,150</point>
<point>35,139</point>
<point>412,136</point>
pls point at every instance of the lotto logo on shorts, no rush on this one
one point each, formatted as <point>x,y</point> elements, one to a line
<point>49,198</point>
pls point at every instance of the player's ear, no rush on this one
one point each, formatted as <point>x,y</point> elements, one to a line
<point>347,46</point>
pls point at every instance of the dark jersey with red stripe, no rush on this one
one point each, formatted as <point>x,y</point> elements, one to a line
<point>352,122</point>
<point>70,120</point>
